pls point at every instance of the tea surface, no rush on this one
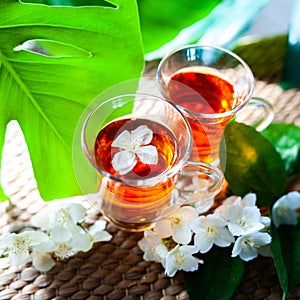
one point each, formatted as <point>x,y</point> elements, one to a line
<point>163,140</point>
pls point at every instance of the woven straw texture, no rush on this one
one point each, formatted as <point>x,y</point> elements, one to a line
<point>116,269</point>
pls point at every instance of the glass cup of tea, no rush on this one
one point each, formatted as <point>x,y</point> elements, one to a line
<point>210,85</point>
<point>138,144</point>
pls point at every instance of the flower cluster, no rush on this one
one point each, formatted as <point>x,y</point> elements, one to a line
<point>181,233</point>
<point>179,236</point>
<point>66,235</point>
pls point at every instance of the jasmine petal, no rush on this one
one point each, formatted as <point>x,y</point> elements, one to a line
<point>123,140</point>
<point>43,261</point>
<point>76,212</point>
<point>249,199</point>
<point>82,242</point>
<point>46,246</point>
<point>163,228</point>
<point>98,233</point>
<point>124,161</point>
<point>141,135</point>
<point>147,155</point>
<point>60,234</point>
<point>183,235</point>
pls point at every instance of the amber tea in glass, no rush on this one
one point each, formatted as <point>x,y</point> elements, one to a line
<point>209,85</point>
<point>116,138</point>
<point>208,94</point>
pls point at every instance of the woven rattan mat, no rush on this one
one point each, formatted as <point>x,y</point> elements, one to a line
<point>116,269</point>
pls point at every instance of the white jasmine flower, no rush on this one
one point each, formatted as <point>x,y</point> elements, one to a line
<point>284,209</point>
<point>61,220</point>
<point>243,220</point>
<point>247,246</point>
<point>153,247</point>
<point>20,245</point>
<point>175,223</point>
<point>211,230</point>
<point>181,258</point>
<point>64,220</point>
<point>132,145</point>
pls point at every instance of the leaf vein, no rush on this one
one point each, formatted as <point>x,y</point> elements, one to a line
<point>23,87</point>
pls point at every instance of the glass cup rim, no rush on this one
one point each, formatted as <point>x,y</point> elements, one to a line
<point>221,50</point>
<point>172,171</point>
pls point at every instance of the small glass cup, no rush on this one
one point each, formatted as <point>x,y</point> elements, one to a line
<point>210,85</point>
<point>138,144</point>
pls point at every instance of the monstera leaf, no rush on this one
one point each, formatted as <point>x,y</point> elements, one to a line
<point>78,52</point>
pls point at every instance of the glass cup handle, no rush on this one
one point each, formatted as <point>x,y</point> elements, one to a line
<point>258,113</point>
<point>197,184</point>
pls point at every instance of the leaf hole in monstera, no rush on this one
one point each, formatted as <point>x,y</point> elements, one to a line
<point>52,48</point>
<point>71,3</point>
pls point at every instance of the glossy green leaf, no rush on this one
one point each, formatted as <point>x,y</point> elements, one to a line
<point>217,278</point>
<point>47,94</point>
<point>252,164</point>
<point>286,249</point>
<point>161,21</point>
<point>286,139</point>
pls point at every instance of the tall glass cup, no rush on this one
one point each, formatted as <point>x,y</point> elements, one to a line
<point>210,85</point>
<point>137,143</point>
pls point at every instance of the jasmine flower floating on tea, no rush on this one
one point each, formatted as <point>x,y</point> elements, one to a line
<point>134,145</point>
